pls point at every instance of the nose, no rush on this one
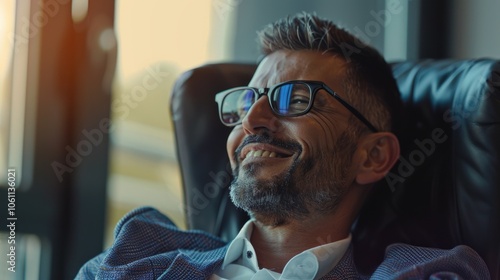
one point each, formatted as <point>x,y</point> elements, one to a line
<point>260,118</point>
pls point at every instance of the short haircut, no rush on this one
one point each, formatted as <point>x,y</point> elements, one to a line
<point>369,84</point>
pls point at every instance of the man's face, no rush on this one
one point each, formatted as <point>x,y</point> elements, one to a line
<point>291,167</point>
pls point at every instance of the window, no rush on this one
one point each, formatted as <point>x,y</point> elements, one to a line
<point>7,99</point>
<point>158,40</point>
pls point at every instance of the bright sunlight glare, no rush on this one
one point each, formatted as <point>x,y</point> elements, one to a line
<point>151,31</point>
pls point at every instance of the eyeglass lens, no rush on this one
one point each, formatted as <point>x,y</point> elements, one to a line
<point>286,100</point>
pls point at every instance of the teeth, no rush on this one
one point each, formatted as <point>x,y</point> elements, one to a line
<point>261,153</point>
<point>250,154</point>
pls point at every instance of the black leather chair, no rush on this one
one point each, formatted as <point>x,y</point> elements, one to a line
<point>444,191</point>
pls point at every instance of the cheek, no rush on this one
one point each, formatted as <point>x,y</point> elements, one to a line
<point>320,134</point>
<point>233,140</point>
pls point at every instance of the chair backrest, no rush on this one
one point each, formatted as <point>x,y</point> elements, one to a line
<point>444,190</point>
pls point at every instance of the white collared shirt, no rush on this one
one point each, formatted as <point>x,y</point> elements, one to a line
<point>240,261</point>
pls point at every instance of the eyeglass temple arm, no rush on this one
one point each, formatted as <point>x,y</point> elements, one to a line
<point>351,109</point>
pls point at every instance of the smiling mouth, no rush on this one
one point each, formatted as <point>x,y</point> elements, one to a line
<point>261,153</point>
<point>262,146</point>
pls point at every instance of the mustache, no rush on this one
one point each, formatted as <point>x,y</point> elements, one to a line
<point>265,138</point>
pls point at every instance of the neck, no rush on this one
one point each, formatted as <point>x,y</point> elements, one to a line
<point>276,245</point>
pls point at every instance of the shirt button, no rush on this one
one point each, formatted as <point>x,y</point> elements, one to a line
<point>249,254</point>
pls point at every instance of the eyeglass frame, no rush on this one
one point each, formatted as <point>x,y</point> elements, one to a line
<point>314,87</point>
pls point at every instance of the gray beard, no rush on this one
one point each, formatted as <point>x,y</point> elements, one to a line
<point>308,186</point>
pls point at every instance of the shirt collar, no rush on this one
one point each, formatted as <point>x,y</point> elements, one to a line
<point>312,263</point>
<point>240,246</point>
<point>316,262</point>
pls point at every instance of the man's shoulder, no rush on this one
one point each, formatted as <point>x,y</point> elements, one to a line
<point>404,261</point>
<point>145,226</point>
<point>146,241</point>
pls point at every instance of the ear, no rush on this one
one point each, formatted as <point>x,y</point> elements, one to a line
<point>377,152</point>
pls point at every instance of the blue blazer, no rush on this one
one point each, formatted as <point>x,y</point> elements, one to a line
<point>149,246</point>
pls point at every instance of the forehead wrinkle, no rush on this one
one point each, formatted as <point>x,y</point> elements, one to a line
<point>286,65</point>
<point>266,74</point>
<point>280,66</point>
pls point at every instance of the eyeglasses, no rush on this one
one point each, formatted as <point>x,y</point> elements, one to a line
<point>288,99</point>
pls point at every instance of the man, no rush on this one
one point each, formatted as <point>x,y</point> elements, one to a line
<point>312,133</point>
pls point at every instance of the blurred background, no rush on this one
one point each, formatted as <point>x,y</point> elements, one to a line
<point>84,100</point>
